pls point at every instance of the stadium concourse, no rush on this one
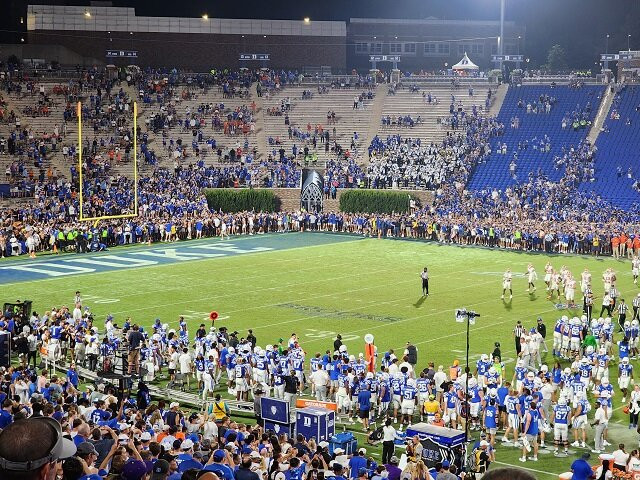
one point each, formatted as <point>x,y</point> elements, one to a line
<point>520,173</point>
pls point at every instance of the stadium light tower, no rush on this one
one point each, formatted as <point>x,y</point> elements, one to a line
<point>205,16</point>
<point>87,14</point>
<point>503,4</point>
<point>606,50</point>
<point>307,20</point>
<point>629,43</point>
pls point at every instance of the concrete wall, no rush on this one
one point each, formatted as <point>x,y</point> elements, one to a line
<point>290,198</point>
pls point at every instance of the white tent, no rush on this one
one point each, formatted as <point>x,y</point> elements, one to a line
<point>465,64</point>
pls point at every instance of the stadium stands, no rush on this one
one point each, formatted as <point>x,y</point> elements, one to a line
<point>617,168</point>
<point>427,106</point>
<point>308,117</point>
<point>532,140</point>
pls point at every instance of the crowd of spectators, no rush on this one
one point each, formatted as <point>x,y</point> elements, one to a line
<point>537,207</point>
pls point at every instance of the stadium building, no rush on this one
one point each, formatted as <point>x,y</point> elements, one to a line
<point>202,43</point>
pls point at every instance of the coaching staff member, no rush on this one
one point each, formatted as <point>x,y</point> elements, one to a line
<point>518,332</point>
<point>425,282</point>
<point>31,448</point>
<point>135,338</point>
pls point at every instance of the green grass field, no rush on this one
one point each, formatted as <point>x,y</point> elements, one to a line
<point>352,287</point>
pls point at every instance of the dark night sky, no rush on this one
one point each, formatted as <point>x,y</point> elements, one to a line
<point>580,26</point>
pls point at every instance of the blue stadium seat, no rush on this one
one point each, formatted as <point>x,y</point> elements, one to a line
<point>618,150</point>
<point>494,173</point>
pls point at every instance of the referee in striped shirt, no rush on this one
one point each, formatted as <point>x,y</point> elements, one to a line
<point>636,306</point>
<point>518,332</point>
<point>622,314</point>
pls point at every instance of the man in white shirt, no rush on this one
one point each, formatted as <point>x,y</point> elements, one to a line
<point>601,420</point>
<point>438,379</point>
<point>393,367</point>
<point>320,379</point>
<point>186,364</point>
<point>534,348</point>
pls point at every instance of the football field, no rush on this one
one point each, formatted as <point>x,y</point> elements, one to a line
<point>318,285</point>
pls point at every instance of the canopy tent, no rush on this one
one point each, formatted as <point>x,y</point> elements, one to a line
<point>465,64</point>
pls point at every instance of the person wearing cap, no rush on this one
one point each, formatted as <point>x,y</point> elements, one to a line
<point>221,463</point>
<point>160,470</point>
<point>392,468</point>
<point>444,473</point>
<point>134,469</point>
<point>31,448</point>
<point>87,452</point>
<point>185,458</point>
<point>357,462</point>
<point>482,457</point>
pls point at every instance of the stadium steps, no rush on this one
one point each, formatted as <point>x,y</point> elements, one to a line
<point>261,137</point>
<point>601,117</point>
<point>499,95</point>
<point>377,108</point>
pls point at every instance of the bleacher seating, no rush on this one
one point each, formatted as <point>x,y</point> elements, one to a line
<point>313,111</point>
<point>618,146</point>
<point>532,129</point>
<point>212,96</point>
<point>407,102</point>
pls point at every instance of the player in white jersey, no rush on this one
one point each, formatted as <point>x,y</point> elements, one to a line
<point>585,280</point>
<point>554,286</point>
<point>506,283</point>
<point>635,269</point>
<point>564,273</point>
<point>548,271</point>
<point>532,276</point>
<point>570,291</point>
<point>606,279</point>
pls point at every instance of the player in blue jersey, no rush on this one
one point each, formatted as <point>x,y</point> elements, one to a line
<point>422,384</point>
<point>451,403</point>
<point>409,394</point>
<point>199,363</point>
<point>561,419</point>
<point>514,414</point>
<point>531,431</point>
<point>625,375</point>
<point>490,421</point>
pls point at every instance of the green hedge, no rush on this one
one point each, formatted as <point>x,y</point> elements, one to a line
<point>237,200</point>
<point>374,201</point>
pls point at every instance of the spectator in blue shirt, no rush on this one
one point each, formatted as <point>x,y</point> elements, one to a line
<point>357,462</point>
<point>581,468</point>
